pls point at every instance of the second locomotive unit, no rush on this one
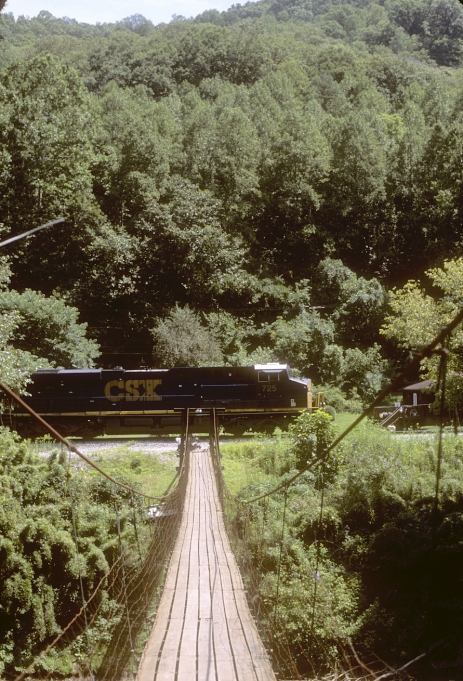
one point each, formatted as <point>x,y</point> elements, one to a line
<point>90,402</point>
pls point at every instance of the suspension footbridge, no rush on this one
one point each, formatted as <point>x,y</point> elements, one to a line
<point>203,628</point>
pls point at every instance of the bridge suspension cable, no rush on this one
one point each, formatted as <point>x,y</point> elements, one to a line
<point>246,521</point>
<point>426,351</point>
<point>118,579</point>
<point>67,443</point>
<point>119,594</point>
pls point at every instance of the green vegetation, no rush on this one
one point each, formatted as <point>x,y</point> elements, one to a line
<point>152,474</point>
<point>389,568</point>
<point>42,559</point>
<point>417,316</point>
<point>240,187</point>
<point>254,461</point>
<point>261,177</point>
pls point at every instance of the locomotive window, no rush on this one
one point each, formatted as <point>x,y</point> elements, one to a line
<point>266,376</point>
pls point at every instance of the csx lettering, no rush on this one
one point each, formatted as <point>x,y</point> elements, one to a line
<point>132,390</point>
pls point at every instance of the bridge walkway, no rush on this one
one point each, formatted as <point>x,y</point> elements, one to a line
<point>203,630</point>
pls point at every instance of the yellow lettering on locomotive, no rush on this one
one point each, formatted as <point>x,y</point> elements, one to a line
<point>150,389</point>
<point>111,394</point>
<point>133,390</point>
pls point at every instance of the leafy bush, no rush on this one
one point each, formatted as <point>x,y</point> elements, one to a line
<point>181,340</point>
<point>39,564</point>
<point>387,567</point>
<point>312,433</point>
<point>48,328</point>
<point>336,398</point>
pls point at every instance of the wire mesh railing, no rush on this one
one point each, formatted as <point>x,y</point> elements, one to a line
<point>107,599</point>
<point>112,544</point>
<point>105,637</point>
<point>263,552</point>
<point>251,544</point>
<point>137,584</point>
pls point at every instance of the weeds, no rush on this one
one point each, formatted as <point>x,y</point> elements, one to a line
<point>389,569</point>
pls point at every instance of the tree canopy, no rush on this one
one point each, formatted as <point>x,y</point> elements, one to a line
<point>274,169</point>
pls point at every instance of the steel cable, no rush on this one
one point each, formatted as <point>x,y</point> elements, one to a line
<point>426,351</point>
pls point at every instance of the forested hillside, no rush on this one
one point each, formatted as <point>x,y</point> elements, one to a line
<point>259,177</point>
<point>280,181</point>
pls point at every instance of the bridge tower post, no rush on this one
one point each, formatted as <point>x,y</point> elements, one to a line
<point>183,437</point>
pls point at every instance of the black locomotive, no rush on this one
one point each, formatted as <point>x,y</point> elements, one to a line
<point>90,402</point>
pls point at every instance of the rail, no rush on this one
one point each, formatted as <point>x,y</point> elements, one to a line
<point>392,416</point>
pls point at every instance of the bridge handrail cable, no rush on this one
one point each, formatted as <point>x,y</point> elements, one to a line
<point>237,519</point>
<point>134,579</point>
<point>397,383</point>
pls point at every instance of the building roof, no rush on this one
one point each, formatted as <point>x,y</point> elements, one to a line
<point>422,385</point>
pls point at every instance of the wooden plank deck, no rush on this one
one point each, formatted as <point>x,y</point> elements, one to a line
<point>203,630</point>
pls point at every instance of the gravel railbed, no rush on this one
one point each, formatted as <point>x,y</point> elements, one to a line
<point>158,446</point>
<point>96,447</point>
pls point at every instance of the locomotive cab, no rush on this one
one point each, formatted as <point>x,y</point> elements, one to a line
<point>275,384</point>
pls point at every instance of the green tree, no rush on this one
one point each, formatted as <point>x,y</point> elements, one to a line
<point>46,161</point>
<point>307,343</point>
<point>221,145</point>
<point>357,185</point>
<point>362,308</point>
<point>47,328</point>
<point>311,435</point>
<point>364,372</point>
<point>296,161</point>
<point>42,570</point>
<point>135,140</point>
<point>438,25</point>
<point>240,55</point>
<point>47,137</point>
<point>181,340</point>
<point>418,317</point>
<point>330,276</point>
<point>355,305</point>
<point>231,335</point>
<point>129,60</point>
<point>187,255</point>
<point>16,364</point>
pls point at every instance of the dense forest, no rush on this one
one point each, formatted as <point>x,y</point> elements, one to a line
<point>280,181</point>
<point>251,182</point>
